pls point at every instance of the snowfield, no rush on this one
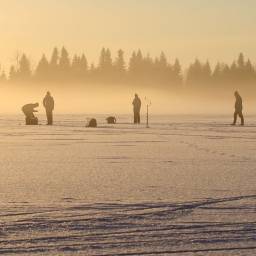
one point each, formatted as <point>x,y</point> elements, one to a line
<point>185,186</point>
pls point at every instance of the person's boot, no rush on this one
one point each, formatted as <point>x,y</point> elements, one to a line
<point>235,119</point>
<point>242,121</point>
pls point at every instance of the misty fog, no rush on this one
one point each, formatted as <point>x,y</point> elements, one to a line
<point>114,100</point>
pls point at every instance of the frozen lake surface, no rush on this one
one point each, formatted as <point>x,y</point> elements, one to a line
<point>185,186</point>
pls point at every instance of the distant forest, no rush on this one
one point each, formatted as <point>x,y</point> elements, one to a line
<point>139,69</point>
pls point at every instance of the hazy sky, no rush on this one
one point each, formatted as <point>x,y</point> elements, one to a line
<point>214,30</point>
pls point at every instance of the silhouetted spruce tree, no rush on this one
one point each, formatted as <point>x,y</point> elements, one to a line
<point>194,73</point>
<point>119,66</point>
<point>108,60</point>
<point>120,62</point>
<point>54,65</point>
<point>105,68</point>
<point>163,64</point>
<point>24,71</point>
<point>84,67</point>
<point>249,75</point>
<point>64,65</point>
<point>206,74</point>
<point>199,75</point>
<point>234,73</point>
<point>79,68</point>
<point>162,72</point>
<point>172,74</point>
<point>143,70</point>
<point>177,73</point>
<point>240,75</point>
<point>84,62</point>
<point>139,63</point>
<point>245,70</point>
<point>102,59</point>
<point>75,68</point>
<point>136,66</point>
<point>240,61</point>
<point>132,65</point>
<point>42,71</point>
<point>221,77</point>
<point>249,71</point>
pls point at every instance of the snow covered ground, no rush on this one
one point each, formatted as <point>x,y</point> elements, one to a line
<point>185,186</point>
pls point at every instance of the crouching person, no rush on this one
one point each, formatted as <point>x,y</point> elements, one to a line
<point>28,111</point>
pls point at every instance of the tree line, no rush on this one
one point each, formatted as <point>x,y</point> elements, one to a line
<point>140,68</point>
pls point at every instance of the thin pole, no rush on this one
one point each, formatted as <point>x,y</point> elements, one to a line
<point>147,117</point>
<point>148,105</point>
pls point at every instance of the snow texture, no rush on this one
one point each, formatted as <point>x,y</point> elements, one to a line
<point>185,186</point>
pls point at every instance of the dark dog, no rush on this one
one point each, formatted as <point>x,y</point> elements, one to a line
<point>92,123</point>
<point>111,120</point>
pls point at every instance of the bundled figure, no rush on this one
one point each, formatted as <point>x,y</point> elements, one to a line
<point>28,111</point>
<point>48,103</point>
<point>136,109</point>
<point>92,123</point>
<point>111,120</point>
<point>238,109</point>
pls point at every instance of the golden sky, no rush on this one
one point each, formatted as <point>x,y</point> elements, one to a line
<point>214,30</point>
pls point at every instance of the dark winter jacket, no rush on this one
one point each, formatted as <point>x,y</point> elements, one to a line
<point>29,108</point>
<point>48,102</point>
<point>239,103</point>
<point>136,104</point>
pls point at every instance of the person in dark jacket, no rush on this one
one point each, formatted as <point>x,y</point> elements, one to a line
<point>136,109</point>
<point>28,111</point>
<point>48,103</point>
<point>238,109</point>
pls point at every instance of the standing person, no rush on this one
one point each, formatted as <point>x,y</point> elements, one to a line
<point>28,111</point>
<point>49,107</point>
<point>238,109</point>
<point>136,109</point>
